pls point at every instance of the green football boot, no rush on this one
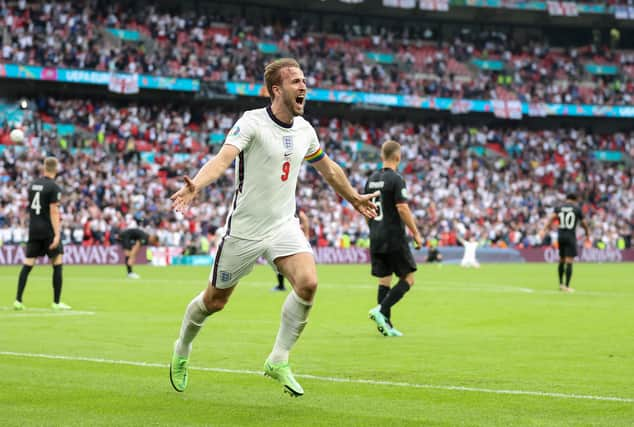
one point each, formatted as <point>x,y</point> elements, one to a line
<point>18,306</point>
<point>178,372</point>
<point>379,319</point>
<point>281,372</point>
<point>393,332</point>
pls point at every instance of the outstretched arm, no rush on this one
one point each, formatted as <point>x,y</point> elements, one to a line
<point>210,172</point>
<point>334,175</point>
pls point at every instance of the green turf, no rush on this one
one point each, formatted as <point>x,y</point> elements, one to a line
<point>470,337</point>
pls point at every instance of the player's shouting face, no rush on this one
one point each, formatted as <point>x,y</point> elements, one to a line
<point>292,90</point>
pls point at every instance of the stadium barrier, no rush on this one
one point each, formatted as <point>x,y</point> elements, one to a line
<point>73,254</point>
<point>161,256</point>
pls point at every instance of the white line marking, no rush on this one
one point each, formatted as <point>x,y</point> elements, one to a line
<point>41,312</point>
<point>331,379</point>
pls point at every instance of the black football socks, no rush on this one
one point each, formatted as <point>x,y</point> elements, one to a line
<point>568,274</point>
<point>393,296</point>
<point>24,275</point>
<point>57,283</point>
<point>381,294</point>
<point>560,270</point>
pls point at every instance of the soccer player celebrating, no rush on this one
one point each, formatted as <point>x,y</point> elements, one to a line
<point>389,251</point>
<point>131,241</point>
<point>569,216</point>
<point>470,247</point>
<point>268,145</point>
<point>44,233</point>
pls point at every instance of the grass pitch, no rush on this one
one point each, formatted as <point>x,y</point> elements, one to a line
<point>499,346</point>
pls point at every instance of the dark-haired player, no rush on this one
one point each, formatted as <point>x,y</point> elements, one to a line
<point>44,233</point>
<point>569,216</point>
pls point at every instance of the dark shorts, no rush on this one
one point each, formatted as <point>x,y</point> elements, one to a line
<point>127,243</point>
<point>399,262</point>
<point>38,248</point>
<point>567,247</point>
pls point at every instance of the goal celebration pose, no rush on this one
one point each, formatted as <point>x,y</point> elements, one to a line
<point>268,145</point>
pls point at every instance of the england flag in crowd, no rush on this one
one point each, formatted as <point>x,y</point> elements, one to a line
<point>562,8</point>
<point>507,109</point>
<point>124,83</point>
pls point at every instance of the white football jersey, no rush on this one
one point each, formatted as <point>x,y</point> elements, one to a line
<point>266,171</point>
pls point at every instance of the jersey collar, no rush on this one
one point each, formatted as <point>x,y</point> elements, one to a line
<point>276,120</point>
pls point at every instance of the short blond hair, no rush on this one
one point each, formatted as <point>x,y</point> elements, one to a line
<point>50,165</point>
<point>272,75</point>
<point>389,149</point>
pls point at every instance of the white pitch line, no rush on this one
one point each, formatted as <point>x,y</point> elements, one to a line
<point>42,312</point>
<point>333,379</point>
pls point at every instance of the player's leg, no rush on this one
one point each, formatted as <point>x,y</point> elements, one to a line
<point>301,272</point>
<point>293,257</point>
<point>404,267</point>
<point>131,258</point>
<point>56,262</point>
<point>568,273</point>
<point>280,279</point>
<point>280,282</point>
<point>234,259</point>
<point>381,268</point>
<point>34,249</point>
<point>385,283</point>
<point>27,266</point>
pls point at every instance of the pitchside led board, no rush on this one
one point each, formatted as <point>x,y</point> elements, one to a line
<point>14,255</point>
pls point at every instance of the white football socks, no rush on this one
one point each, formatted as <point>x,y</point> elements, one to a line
<point>195,316</point>
<point>294,318</point>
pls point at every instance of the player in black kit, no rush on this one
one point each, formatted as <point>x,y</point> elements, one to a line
<point>389,250</point>
<point>44,233</point>
<point>131,241</point>
<point>569,216</point>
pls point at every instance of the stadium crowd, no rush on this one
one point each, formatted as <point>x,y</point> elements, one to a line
<point>409,60</point>
<point>122,164</point>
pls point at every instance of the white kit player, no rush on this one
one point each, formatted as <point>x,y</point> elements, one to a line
<point>469,256</point>
<point>268,145</point>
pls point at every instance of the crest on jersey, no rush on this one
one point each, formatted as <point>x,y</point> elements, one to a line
<point>235,131</point>
<point>288,144</point>
<point>225,276</point>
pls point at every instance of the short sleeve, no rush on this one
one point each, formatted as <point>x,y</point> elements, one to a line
<point>314,152</point>
<point>401,194</point>
<point>242,132</point>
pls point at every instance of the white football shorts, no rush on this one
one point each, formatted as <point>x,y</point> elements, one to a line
<point>236,257</point>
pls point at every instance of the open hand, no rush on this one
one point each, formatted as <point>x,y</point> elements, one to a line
<point>365,206</point>
<point>183,197</point>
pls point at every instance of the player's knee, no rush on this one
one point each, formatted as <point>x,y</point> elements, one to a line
<point>215,305</point>
<point>409,279</point>
<point>215,302</point>
<point>306,287</point>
